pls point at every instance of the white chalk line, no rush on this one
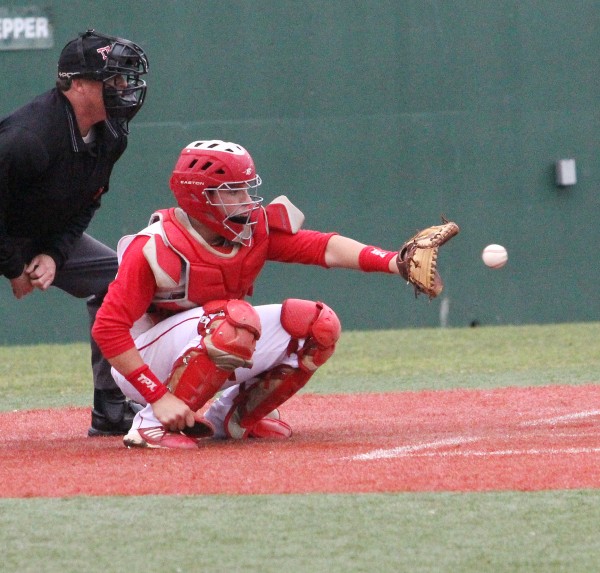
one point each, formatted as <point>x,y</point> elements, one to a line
<point>403,451</point>
<point>486,453</point>
<point>559,419</point>
<point>417,450</point>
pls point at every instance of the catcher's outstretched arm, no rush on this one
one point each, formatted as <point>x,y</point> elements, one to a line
<point>416,261</point>
<point>343,252</point>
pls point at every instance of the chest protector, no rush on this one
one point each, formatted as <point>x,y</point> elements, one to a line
<point>189,272</point>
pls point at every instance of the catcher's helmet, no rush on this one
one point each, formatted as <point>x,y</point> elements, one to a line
<point>99,57</point>
<point>203,171</point>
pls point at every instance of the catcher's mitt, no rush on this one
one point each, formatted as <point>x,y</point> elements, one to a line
<point>417,259</point>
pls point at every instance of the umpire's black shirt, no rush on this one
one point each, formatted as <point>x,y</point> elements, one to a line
<point>50,180</point>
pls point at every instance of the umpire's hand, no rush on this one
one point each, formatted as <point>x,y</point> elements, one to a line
<point>21,286</point>
<point>41,271</point>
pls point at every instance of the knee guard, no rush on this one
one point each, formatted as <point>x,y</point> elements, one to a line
<point>321,329</point>
<point>230,331</point>
<point>317,324</point>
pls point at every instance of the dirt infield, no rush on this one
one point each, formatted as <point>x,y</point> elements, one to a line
<point>460,440</point>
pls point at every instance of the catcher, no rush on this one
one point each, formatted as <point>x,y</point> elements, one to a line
<point>175,324</point>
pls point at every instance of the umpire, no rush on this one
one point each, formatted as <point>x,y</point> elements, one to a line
<point>56,157</point>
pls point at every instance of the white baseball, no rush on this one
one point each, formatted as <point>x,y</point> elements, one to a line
<point>494,256</point>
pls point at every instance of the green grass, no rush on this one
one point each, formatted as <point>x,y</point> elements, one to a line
<point>446,532</point>
<point>550,531</point>
<point>376,361</point>
<point>483,357</point>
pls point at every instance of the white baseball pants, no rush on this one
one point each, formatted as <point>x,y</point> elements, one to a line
<point>162,344</point>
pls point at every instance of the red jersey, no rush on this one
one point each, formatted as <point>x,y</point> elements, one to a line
<point>170,266</point>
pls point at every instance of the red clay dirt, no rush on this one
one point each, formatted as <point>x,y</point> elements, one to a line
<point>460,440</point>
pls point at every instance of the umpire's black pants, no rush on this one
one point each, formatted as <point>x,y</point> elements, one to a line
<point>91,267</point>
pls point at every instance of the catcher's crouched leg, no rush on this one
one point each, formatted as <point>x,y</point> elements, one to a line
<point>254,411</point>
<point>229,340</point>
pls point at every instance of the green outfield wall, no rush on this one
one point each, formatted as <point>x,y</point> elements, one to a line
<point>375,118</point>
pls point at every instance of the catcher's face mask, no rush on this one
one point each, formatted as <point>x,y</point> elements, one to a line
<point>233,203</point>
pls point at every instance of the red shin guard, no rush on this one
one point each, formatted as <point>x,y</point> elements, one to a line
<point>257,402</point>
<point>195,378</point>
<point>230,332</point>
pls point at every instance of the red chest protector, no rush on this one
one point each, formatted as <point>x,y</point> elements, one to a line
<point>189,272</point>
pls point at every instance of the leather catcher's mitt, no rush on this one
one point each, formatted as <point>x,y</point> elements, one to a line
<point>417,259</point>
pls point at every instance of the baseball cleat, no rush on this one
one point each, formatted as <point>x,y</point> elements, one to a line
<point>158,437</point>
<point>271,428</point>
<point>112,414</point>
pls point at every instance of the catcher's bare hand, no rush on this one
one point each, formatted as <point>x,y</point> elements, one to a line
<point>173,413</point>
<point>417,259</point>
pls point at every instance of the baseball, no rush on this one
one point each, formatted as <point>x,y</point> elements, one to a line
<point>494,256</point>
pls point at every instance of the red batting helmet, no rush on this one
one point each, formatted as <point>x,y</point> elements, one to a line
<point>204,170</point>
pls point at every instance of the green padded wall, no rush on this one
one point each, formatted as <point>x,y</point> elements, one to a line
<point>375,117</point>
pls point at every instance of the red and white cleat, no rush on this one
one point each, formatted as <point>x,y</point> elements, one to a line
<point>159,437</point>
<point>270,427</point>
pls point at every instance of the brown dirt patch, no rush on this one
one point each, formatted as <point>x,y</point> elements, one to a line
<point>460,440</point>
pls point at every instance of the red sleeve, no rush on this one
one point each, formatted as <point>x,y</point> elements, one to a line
<point>128,298</point>
<point>305,247</point>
